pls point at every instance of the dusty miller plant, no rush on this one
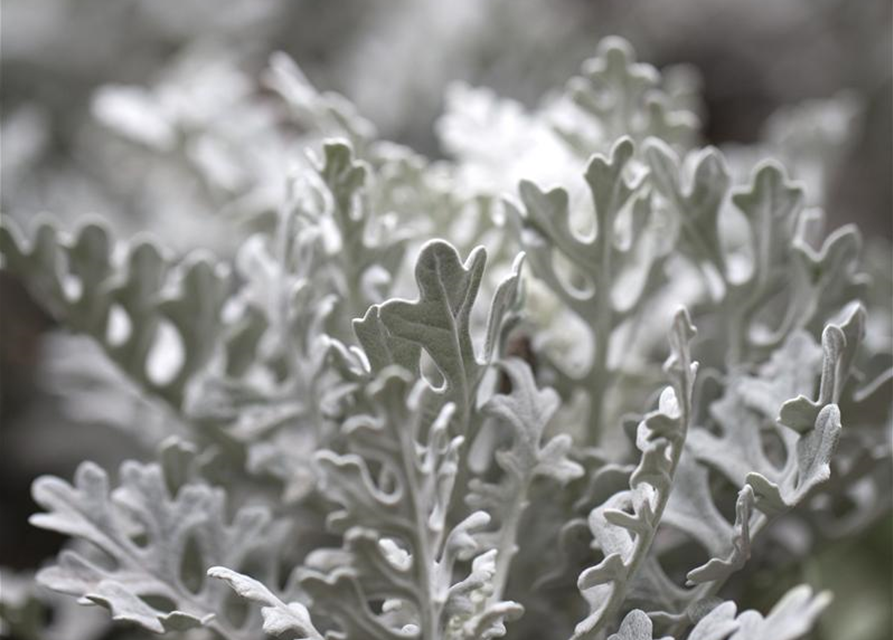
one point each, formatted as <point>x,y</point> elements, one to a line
<point>620,380</point>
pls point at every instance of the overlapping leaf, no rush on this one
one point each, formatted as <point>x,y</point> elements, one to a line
<point>270,361</point>
<point>599,262</point>
<point>623,527</point>
<point>153,547</point>
<point>123,305</point>
<point>439,322</point>
<point>624,98</point>
<point>393,489</point>
<point>791,618</point>
<point>370,249</point>
<point>806,434</point>
<point>526,411</point>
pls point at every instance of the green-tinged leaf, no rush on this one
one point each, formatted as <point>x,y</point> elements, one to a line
<point>439,321</point>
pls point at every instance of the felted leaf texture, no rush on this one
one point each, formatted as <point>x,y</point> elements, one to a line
<point>692,509</point>
<point>754,400</point>
<point>635,626</point>
<point>153,546</point>
<point>243,354</point>
<point>791,618</point>
<point>440,319</point>
<point>439,322</point>
<point>124,305</point>
<point>443,468</point>
<point>369,252</point>
<point>809,465</point>
<point>598,262</point>
<point>623,528</point>
<point>399,546</point>
<point>278,616</point>
<point>526,411</point>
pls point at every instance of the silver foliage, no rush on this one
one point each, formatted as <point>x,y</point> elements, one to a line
<point>444,468</point>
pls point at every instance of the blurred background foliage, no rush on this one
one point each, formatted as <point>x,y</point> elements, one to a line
<point>393,60</point>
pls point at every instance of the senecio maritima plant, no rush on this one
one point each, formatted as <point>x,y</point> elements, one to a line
<point>594,425</point>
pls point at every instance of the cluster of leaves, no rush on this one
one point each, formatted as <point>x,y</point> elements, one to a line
<point>357,465</point>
